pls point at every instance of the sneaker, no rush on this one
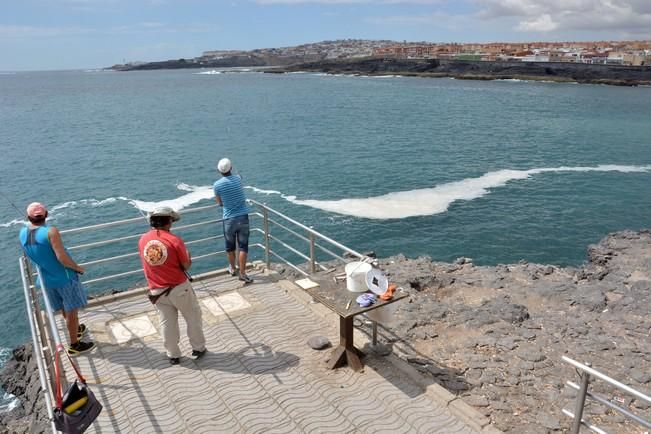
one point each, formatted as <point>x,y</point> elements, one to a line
<point>198,354</point>
<point>246,279</point>
<point>81,330</point>
<point>232,271</point>
<point>80,347</point>
<point>175,360</point>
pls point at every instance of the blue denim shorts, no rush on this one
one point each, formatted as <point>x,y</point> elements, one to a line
<point>237,228</point>
<point>69,297</point>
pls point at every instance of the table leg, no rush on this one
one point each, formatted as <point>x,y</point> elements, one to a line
<point>346,351</point>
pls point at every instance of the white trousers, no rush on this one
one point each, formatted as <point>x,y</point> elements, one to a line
<point>182,298</point>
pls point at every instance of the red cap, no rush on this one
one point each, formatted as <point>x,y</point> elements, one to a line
<point>36,209</point>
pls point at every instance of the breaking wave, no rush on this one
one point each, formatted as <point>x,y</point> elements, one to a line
<point>394,205</point>
<point>437,199</point>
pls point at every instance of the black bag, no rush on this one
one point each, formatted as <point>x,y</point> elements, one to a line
<point>76,410</point>
<point>154,298</point>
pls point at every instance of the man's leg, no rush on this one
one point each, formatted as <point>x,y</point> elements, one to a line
<point>169,323</point>
<point>231,259</point>
<point>243,244</point>
<point>185,299</point>
<point>229,243</point>
<point>72,324</point>
<point>243,255</point>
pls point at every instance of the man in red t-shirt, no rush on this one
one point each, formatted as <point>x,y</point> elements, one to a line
<point>164,260</point>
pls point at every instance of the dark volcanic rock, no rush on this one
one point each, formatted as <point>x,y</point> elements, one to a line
<point>481,70</point>
<point>20,378</point>
<point>508,327</point>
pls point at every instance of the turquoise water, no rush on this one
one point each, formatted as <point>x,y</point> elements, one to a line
<point>496,171</point>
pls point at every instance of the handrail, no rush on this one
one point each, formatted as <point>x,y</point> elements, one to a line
<point>310,230</point>
<point>585,375</point>
<point>607,379</point>
<point>310,239</point>
<point>37,346</point>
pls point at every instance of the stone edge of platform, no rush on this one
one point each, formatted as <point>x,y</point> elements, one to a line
<point>460,409</point>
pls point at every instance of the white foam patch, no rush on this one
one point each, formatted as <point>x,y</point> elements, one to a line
<point>195,194</point>
<point>261,191</point>
<point>8,402</point>
<point>212,72</point>
<point>395,205</point>
<point>380,76</point>
<point>15,222</point>
<point>436,200</point>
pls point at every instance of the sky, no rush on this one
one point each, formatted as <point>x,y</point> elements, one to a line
<point>86,34</point>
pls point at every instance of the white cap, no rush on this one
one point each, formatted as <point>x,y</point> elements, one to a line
<point>165,211</point>
<point>224,165</point>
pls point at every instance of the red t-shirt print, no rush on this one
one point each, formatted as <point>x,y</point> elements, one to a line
<point>161,254</point>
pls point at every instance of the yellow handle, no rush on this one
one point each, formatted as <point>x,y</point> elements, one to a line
<point>76,405</point>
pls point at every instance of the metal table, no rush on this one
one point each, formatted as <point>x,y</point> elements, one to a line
<point>340,300</point>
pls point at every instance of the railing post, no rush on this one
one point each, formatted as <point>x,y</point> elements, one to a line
<point>580,401</point>
<point>49,350</point>
<point>267,256</point>
<point>312,253</point>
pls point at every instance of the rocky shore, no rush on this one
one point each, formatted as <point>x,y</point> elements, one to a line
<point>20,378</point>
<point>618,75</point>
<point>480,70</point>
<point>495,335</point>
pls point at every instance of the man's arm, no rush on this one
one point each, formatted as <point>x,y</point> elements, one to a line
<point>184,255</point>
<point>218,200</point>
<point>187,264</point>
<point>60,252</point>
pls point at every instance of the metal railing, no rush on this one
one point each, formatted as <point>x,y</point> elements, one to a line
<point>586,373</point>
<point>270,219</point>
<point>275,230</point>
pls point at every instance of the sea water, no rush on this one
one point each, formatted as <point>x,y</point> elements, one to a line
<point>496,171</point>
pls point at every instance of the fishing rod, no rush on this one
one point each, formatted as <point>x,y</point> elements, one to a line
<point>22,214</point>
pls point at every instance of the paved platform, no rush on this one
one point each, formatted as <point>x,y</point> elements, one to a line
<point>259,374</point>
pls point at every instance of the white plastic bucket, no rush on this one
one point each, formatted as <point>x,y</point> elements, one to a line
<point>356,276</point>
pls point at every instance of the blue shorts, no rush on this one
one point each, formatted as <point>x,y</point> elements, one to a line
<point>69,297</point>
<point>237,228</point>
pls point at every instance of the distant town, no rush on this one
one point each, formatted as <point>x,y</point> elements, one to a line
<point>621,63</point>
<point>632,53</point>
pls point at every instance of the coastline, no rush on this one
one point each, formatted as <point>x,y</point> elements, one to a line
<point>481,70</point>
<point>494,335</point>
<point>560,72</point>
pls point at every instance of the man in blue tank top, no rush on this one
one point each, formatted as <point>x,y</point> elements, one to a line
<point>43,245</point>
<point>229,193</point>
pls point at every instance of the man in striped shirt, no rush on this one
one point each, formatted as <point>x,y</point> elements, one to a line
<point>229,194</point>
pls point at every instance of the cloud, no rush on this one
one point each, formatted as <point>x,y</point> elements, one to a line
<point>408,20</point>
<point>33,32</point>
<point>570,15</point>
<point>25,32</point>
<point>543,23</point>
